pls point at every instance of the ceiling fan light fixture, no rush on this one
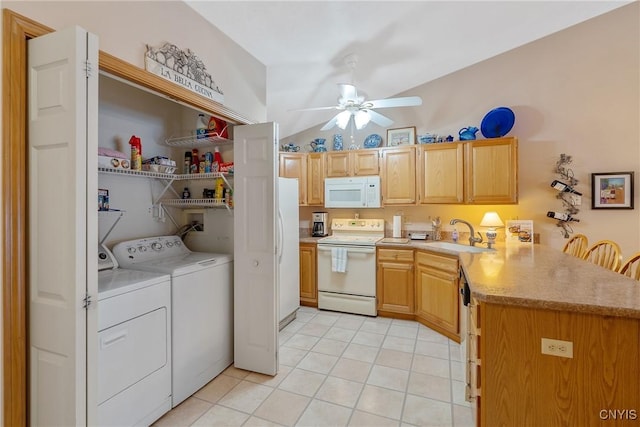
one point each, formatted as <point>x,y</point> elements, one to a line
<point>362,119</point>
<point>342,119</point>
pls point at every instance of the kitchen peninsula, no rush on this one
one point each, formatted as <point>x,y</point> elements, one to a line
<point>520,295</point>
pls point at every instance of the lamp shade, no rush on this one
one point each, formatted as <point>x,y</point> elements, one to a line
<point>491,219</point>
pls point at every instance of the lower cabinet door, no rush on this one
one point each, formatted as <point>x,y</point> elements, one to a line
<point>437,299</point>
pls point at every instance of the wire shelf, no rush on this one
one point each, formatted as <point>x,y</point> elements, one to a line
<point>203,203</point>
<point>168,176</point>
<point>193,142</point>
<point>142,174</point>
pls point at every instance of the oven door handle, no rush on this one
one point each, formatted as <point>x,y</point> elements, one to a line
<point>348,248</point>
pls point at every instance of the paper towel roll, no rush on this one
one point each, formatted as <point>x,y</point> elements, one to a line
<point>397,226</point>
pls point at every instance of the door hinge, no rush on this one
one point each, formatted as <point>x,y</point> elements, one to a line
<point>86,301</point>
<point>88,69</point>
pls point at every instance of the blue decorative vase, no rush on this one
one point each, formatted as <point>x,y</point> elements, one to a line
<point>337,142</point>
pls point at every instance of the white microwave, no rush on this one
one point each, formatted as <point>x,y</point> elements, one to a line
<point>352,192</point>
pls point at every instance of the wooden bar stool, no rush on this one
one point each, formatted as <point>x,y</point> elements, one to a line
<point>631,267</point>
<point>576,246</point>
<point>605,253</point>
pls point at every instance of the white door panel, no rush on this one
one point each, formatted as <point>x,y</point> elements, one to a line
<point>255,252</point>
<point>62,226</point>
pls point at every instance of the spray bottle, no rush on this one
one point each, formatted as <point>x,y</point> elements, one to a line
<point>136,153</point>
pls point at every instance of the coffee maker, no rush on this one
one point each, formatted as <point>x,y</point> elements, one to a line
<point>320,221</point>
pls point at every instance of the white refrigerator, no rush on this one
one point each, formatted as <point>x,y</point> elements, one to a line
<point>288,245</point>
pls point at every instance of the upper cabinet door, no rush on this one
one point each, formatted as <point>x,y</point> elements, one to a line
<point>492,171</point>
<point>294,165</point>
<point>440,173</point>
<point>398,176</point>
<point>338,164</point>
<point>63,236</point>
<point>315,179</point>
<point>365,162</point>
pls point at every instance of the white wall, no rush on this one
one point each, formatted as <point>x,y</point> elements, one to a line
<point>574,92</point>
<point>124,28</point>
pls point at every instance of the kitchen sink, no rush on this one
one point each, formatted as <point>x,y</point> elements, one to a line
<point>457,247</point>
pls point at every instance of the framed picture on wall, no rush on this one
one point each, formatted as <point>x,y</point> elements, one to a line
<point>401,136</point>
<point>612,190</point>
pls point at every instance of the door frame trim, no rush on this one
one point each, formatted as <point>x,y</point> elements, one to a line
<point>16,31</point>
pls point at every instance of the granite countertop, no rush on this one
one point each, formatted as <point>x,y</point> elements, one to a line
<point>543,277</point>
<point>539,276</point>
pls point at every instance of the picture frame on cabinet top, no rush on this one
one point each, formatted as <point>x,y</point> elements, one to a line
<point>401,136</point>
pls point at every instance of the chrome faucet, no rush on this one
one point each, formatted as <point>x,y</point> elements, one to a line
<point>472,239</point>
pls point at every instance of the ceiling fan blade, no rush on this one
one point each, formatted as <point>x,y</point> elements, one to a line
<point>331,123</point>
<point>379,119</point>
<point>316,108</point>
<point>347,93</point>
<point>407,101</point>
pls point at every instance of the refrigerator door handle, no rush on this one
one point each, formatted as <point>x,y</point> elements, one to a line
<point>280,236</point>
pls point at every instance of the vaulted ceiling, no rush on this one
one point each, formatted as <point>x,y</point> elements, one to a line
<point>399,44</point>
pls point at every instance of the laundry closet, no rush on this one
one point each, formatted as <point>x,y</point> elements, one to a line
<point>75,323</point>
<point>124,111</point>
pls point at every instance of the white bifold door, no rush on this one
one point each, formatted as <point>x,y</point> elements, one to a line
<point>62,227</point>
<point>255,248</point>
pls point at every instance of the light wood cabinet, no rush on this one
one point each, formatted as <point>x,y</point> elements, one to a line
<point>398,175</point>
<point>308,275</point>
<point>441,173</point>
<point>294,165</point>
<point>309,168</point>
<point>598,386</point>
<point>437,301</point>
<point>395,282</point>
<point>315,179</point>
<point>352,163</point>
<point>491,171</point>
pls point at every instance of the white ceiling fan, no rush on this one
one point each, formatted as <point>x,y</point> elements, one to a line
<point>351,105</point>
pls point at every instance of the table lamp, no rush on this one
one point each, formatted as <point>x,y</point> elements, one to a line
<point>491,220</point>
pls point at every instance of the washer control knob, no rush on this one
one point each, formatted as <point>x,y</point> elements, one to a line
<point>131,250</point>
<point>142,248</point>
<point>156,246</point>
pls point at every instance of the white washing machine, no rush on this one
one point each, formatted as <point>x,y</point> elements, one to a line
<point>201,303</point>
<point>134,338</point>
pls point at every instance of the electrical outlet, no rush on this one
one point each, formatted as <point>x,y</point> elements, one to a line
<point>557,348</point>
<point>576,200</point>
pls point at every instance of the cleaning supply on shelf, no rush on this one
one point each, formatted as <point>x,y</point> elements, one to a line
<point>187,163</point>
<point>136,153</point>
<point>217,157</point>
<point>186,194</point>
<point>195,161</point>
<point>217,127</point>
<point>201,127</point>
<point>201,166</point>
<point>219,189</point>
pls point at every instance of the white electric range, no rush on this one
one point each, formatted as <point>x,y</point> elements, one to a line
<point>347,266</point>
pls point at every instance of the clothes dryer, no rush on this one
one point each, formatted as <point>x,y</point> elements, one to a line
<point>202,307</point>
<point>134,354</point>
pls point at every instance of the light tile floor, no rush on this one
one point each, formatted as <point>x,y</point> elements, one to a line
<point>340,370</point>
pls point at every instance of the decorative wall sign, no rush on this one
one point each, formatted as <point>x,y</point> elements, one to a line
<point>183,68</point>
